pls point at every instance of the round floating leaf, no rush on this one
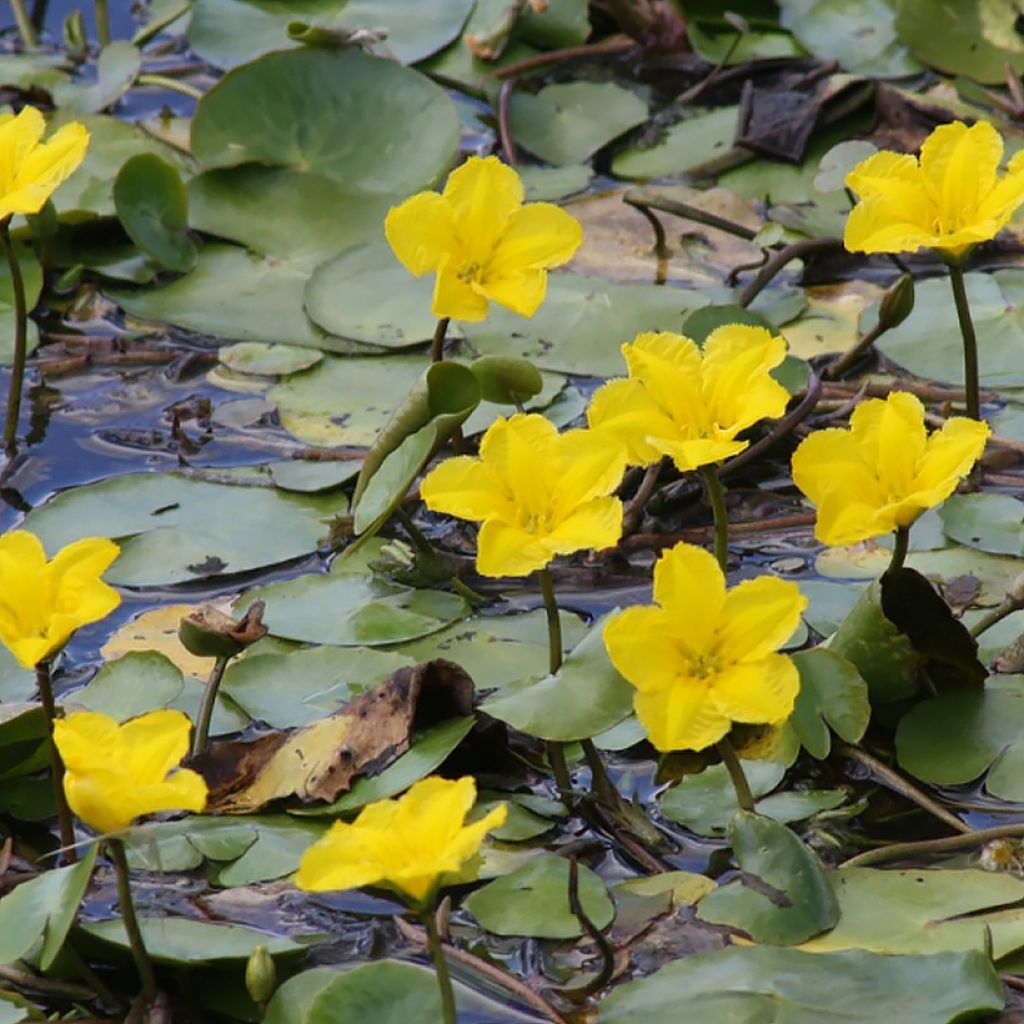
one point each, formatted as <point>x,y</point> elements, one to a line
<point>266,300</point>
<point>859,35</point>
<point>132,685</point>
<point>545,184</point>
<point>353,611</point>
<point>366,123</point>
<point>428,752</point>
<point>800,902</point>
<point>152,204</point>
<point>977,38</point>
<point>954,738</point>
<point>788,986</point>
<point>231,32</point>
<point>365,294</point>
<point>839,161</point>
<point>234,202</point>
<point>178,940</point>
<point>931,911</point>
<point>534,900</point>
<point>584,697</point>
<point>832,693</point>
<point>381,993</point>
<point>116,70</point>
<point>267,360</point>
<point>988,522</point>
<point>570,122</point>
<point>555,26</point>
<point>687,143</point>
<point>507,380</point>
<point>582,324</point>
<point>928,342</point>
<point>173,529</point>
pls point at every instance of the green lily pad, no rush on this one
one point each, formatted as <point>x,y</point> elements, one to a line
<point>352,611</point>
<point>545,184</point>
<point>925,911</point>
<point>988,522</point>
<point>23,70</point>
<point>582,324</point>
<point>757,984</point>
<point>832,696</point>
<point>381,993</point>
<point>802,903</point>
<point>231,32</point>
<point>267,360</point>
<point>16,683</point>
<point>928,342</point>
<point>116,70</point>
<point>584,697</point>
<point>300,687</point>
<point>568,123</point>
<point>232,203</point>
<point>173,529</point>
<point>428,752</point>
<point>366,123</point>
<point>152,204</point>
<point>955,738</point>
<point>556,26</point>
<point>860,35</point>
<point>178,940</point>
<point>43,909</point>
<point>968,37</point>
<point>534,900</point>
<point>688,143</point>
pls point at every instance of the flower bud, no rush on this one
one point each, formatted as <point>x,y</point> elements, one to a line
<point>260,975</point>
<point>209,633</point>
<point>897,303</point>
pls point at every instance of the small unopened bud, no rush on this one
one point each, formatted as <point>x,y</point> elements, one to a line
<point>209,633</point>
<point>1016,591</point>
<point>897,303</point>
<point>260,975</point>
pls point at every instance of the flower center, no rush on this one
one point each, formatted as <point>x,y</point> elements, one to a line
<point>538,523</point>
<point>469,272</point>
<point>702,664</point>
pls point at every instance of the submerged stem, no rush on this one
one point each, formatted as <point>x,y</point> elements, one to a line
<point>202,730</point>
<point>444,981</point>
<point>963,313</point>
<point>102,22</point>
<point>26,27</point>
<point>739,778</point>
<point>20,337</point>
<point>131,922</point>
<point>65,824</point>
<point>716,496</point>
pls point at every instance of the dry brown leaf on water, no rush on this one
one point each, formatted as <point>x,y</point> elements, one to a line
<point>322,760</point>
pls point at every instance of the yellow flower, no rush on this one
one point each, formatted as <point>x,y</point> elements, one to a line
<point>950,200</point>
<point>885,470</point>
<point>687,403</point>
<point>538,493</point>
<point>115,773</point>
<point>30,170</point>
<point>703,658</point>
<point>482,241</point>
<point>410,844</point>
<point>42,603</point>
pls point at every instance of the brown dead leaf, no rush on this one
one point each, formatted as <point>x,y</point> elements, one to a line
<point>322,760</point>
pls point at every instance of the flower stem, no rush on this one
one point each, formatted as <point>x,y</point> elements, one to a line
<point>739,779</point>
<point>556,750</point>
<point>963,313</point>
<point>44,683</point>
<point>444,981</point>
<point>437,345</point>
<point>20,337</point>
<point>131,922</point>
<point>604,947</point>
<point>202,731</point>
<point>901,544</point>
<point>102,22</point>
<point>27,31</point>
<point>716,496</point>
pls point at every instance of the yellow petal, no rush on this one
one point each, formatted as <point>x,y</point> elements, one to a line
<point>948,457</point>
<point>505,550</point>
<point>959,165</point>
<point>881,172</point>
<point>85,739</point>
<point>484,193</point>
<point>594,525</point>
<point>669,366</point>
<point>74,575</point>
<point>421,231</point>
<point>690,587</point>
<point>538,236</point>
<point>464,487</point>
<point>520,291</point>
<point>18,137</point>
<point>587,464</point>
<point>337,861</point>
<point>46,167</point>
<point>640,646</point>
<point>155,743</point>
<point>518,452</point>
<point>625,409</point>
<point>90,802</point>
<point>760,692</point>
<point>891,435</point>
<point>681,716</point>
<point>692,454</point>
<point>877,224</point>
<point>454,297</point>
<point>737,383</point>
<point>758,617</point>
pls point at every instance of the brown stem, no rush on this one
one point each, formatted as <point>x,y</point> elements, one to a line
<point>444,981</point>
<point>779,259</point>
<point>640,197</point>
<point>131,922</point>
<point>201,733</point>
<point>855,352</point>
<point>508,143</point>
<point>739,778</point>
<point>601,979</point>
<point>611,44</point>
<point>927,846</point>
<point>437,344</point>
<point>65,823</point>
<point>634,511</point>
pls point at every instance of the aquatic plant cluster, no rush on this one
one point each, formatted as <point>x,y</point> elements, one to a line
<point>392,721</point>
